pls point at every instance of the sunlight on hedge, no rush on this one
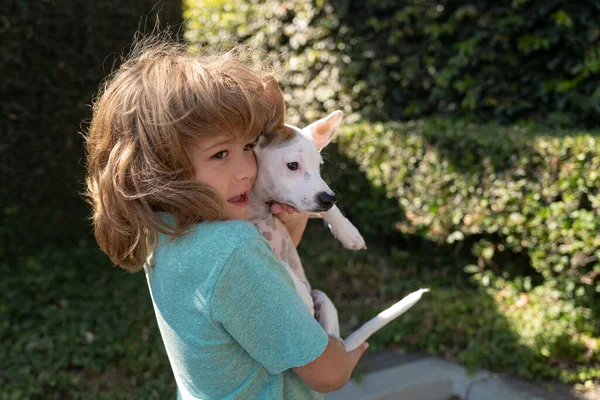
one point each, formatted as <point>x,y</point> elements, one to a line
<point>387,60</point>
<point>516,209</point>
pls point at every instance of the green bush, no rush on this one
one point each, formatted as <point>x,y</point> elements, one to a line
<point>522,203</point>
<point>399,60</point>
<point>297,30</point>
<point>531,334</point>
<point>53,58</point>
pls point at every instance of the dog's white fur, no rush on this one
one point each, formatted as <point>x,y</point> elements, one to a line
<point>289,172</point>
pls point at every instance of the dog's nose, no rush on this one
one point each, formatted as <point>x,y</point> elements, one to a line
<point>325,200</point>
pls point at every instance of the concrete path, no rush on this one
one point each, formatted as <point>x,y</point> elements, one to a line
<point>393,376</point>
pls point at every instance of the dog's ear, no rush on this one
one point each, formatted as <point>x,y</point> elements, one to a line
<point>322,131</point>
<point>275,128</point>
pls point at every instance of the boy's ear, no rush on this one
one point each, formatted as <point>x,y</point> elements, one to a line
<point>275,128</point>
<point>323,130</point>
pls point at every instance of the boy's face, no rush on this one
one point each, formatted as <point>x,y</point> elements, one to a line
<point>229,167</point>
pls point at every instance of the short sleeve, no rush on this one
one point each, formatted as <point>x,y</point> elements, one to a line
<point>255,301</point>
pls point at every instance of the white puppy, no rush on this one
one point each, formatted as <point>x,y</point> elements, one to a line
<point>289,163</point>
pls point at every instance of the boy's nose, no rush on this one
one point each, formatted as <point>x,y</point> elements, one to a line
<point>246,169</point>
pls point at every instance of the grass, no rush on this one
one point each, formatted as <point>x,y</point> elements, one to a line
<point>78,328</point>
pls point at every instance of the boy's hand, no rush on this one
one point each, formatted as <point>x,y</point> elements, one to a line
<point>356,354</point>
<point>282,211</point>
<point>332,369</point>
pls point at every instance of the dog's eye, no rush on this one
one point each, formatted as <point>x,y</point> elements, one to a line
<point>292,166</point>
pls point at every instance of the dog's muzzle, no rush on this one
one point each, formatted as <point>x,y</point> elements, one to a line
<point>325,200</point>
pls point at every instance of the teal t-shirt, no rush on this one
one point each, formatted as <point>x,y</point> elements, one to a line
<point>229,315</point>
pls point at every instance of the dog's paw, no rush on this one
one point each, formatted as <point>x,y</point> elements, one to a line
<point>348,235</point>
<point>326,313</point>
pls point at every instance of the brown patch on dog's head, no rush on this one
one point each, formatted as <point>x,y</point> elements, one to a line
<point>275,129</point>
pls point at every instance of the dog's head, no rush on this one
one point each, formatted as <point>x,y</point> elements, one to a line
<point>289,167</point>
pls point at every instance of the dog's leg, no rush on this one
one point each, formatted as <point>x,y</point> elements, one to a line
<point>276,233</point>
<point>343,230</point>
<point>326,313</point>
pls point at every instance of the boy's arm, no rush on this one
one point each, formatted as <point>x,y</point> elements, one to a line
<point>332,369</point>
<point>255,301</point>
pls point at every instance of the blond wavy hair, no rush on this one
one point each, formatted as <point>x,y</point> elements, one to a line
<point>158,102</point>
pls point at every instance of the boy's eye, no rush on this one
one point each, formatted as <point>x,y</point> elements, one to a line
<point>220,155</point>
<point>292,166</point>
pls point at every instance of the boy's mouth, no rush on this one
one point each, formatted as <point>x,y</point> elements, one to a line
<point>241,200</point>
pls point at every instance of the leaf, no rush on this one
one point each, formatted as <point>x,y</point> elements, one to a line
<point>562,19</point>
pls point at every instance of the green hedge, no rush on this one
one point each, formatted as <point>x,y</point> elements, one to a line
<point>521,203</point>
<point>69,329</point>
<point>535,334</point>
<point>53,58</point>
<point>398,60</point>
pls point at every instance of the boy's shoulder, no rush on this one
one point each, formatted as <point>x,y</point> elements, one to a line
<point>233,232</point>
<point>207,245</point>
<point>222,235</point>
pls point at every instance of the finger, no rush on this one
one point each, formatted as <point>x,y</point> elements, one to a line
<point>289,209</point>
<point>356,354</point>
<point>276,208</point>
<point>279,212</point>
<point>282,215</point>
